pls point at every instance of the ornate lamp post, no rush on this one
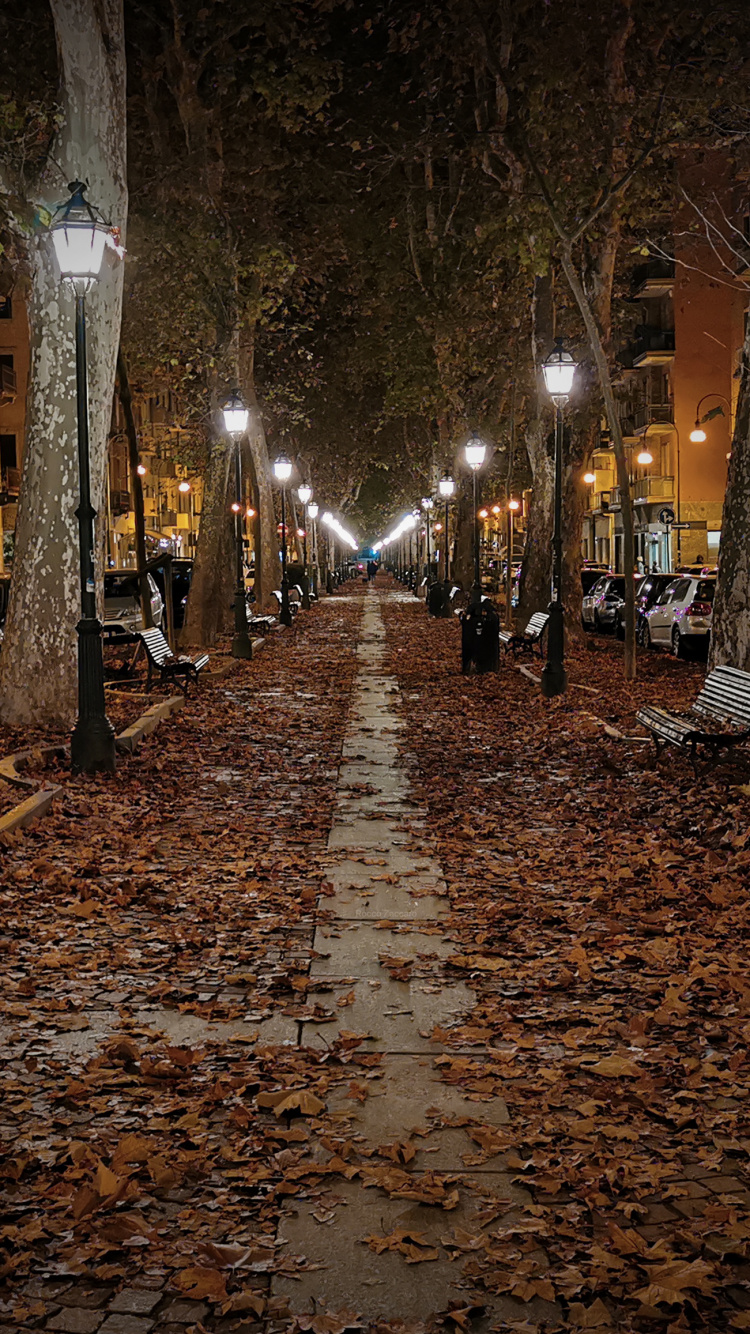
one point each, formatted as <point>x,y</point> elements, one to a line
<point>312,510</point>
<point>79,235</point>
<point>446,487</point>
<point>513,506</point>
<point>475,453</point>
<point>236,417</point>
<point>416,515</point>
<point>282,471</point>
<point>305,496</point>
<point>558,370</point>
<point>427,506</point>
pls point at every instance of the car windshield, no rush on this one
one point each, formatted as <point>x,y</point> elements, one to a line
<point>617,587</point>
<point>705,590</point>
<point>121,586</point>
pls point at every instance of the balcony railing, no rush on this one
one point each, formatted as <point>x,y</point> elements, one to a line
<point>654,278</point>
<point>651,414</point>
<point>8,384</point>
<point>653,488</point>
<point>650,347</point>
<point>119,502</point>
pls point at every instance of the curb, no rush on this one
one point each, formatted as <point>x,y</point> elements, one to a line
<point>127,742</point>
<point>223,672</point>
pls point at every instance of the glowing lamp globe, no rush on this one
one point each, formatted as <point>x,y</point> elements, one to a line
<point>644,458</point>
<point>282,468</point>
<point>514,505</point>
<point>79,235</point>
<point>305,493</point>
<point>698,435</point>
<point>559,371</point>
<point>446,486</point>
<point>312,510</point>
<point>475,452</point>
<point>236,415</point>
<point>184,487</point>
<point>589,478</point>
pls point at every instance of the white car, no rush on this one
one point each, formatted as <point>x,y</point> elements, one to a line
<point>122,602</point>
<point>681,619</point>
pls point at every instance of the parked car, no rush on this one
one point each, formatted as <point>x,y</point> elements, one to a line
<point>122,602</point>
<point>697,569</point>
<point>182,574</point>
<point>681,617</point>
<point>599,607</point>
<point>591,574</point>
<point>647,590</point>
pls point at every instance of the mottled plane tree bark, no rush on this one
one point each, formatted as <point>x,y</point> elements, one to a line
<point>38,664</point>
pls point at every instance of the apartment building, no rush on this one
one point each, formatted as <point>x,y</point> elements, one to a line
<point>172,491</point>
<point>678,379</point>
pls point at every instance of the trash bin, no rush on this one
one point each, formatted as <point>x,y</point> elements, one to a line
<point>480,641</point>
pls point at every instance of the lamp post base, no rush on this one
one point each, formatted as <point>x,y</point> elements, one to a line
<point>285,614</point>
<point>475,598</point>
<point>92,743</point>
<point>554,680</point>
<point>305,592</point>
<point>445,608</point>
<point>241,644</point>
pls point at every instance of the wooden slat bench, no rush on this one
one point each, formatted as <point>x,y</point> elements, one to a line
<point>724,699</point>
<point>161,659</point>
<point>531,637</point>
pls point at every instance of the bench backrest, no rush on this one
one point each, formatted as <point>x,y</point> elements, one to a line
<point>156,645</point>
<point>537,623</point>
<point>726,696</point>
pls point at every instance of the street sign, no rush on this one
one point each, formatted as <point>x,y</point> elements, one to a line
<point>666,516</point>
<point>681,525</point>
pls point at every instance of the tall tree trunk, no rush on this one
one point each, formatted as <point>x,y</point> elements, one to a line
<point>730,627</point>
<point>623,477</point>
<point>536,567</point>
<point>38,665</point>
<point>131,434</point>
<point>267,563</point>
<point>463,517</point>
<point>209,606</point>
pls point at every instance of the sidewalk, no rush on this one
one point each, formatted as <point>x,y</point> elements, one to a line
<point>367,994</point>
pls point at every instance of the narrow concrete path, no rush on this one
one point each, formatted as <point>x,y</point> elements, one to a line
<point>387,897</point>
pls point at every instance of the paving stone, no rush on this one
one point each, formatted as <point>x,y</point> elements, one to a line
<point>135,1301</point>
<point>659,1213</point>
<point>76,1320</point>
<point>353,949</point>
<point>398,1017</point>
<point>384,1286</point>
<point>85,1296</point>
<point>184,1313</point>
<point>725,1185</point>
<point>126,1324</point>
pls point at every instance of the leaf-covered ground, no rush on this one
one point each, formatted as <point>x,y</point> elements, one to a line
<point>156,931</point>
<point>601,910</point>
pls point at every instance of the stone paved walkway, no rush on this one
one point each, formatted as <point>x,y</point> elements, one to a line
<point>385,913</point>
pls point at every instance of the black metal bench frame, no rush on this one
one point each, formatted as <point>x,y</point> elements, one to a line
<point>531,637</point>
<point>725,697</point>
<point>170,667</point>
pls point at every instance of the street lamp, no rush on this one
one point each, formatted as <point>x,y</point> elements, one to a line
<point>305,496</point>
<point>698,435</point>
<point>427,506</point>
<point>282,471</point>
<point>475,452</point>
<point>559,371</point>
<point>312,510</point>
<point>513,506</point>
<point>236,417</point>
<point>446,487</point>
<point>79,234</point>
